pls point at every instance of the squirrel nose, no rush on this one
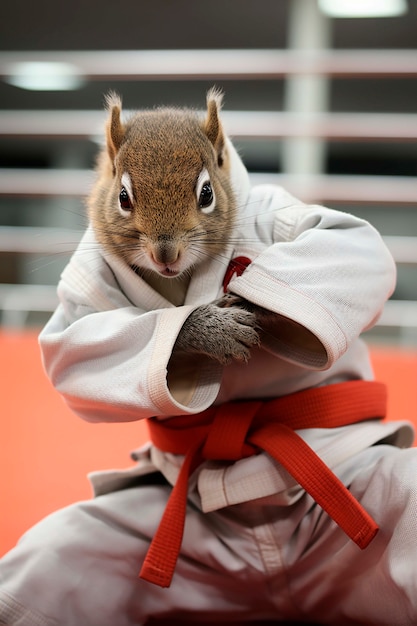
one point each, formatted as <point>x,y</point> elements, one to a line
<point>165,251</point>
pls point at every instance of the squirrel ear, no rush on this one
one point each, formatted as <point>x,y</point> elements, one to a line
<point>115,129</point>
<point>212,125</point>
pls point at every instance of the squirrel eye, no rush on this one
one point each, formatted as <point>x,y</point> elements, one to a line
<point>125,202</point>
<point>206,196</point>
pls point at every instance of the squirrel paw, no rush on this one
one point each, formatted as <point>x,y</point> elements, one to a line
<point>221,333</point>
<point>264,318</point>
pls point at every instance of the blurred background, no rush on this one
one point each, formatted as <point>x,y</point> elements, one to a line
<point>318,100</point>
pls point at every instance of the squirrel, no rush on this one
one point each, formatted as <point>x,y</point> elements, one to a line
<point>163,203</point>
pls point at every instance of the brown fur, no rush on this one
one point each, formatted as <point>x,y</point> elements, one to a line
<point>163,151</point>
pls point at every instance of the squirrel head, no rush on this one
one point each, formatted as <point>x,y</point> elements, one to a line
<point>163,200</point>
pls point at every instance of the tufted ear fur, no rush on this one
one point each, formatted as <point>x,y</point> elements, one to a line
<point>115,129</point>
<point>212,125</point>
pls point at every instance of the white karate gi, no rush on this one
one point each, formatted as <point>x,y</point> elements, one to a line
<point>255,544</point>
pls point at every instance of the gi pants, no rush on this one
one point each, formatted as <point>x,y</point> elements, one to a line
<point>252,561</point>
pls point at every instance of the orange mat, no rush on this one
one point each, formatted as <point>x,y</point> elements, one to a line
<point>46,451</point>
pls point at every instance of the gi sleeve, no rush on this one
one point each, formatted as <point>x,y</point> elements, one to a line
<point>326,277</point>
<point>110,359</point>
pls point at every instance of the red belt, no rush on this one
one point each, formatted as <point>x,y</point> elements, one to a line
<point>236,430</point>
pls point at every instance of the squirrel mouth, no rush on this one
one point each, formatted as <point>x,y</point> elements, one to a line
<point>168,272</point>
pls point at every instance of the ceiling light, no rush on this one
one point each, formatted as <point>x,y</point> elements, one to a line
<point>363,8</point>
<point>42,76</point>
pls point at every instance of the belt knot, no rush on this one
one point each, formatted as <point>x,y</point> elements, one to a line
<point>227,436</point>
